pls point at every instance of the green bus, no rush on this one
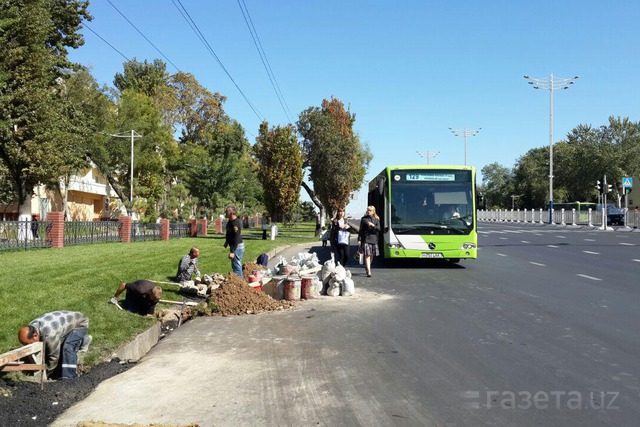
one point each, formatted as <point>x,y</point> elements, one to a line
<point>426,211</point>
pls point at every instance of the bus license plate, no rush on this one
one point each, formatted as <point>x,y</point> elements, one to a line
<point>430,255</point>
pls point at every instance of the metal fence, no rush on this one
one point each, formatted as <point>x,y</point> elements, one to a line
<point>141,231</point>
<point>560,217</point>
<point>83,232</point>
<point>24,234</point>
<point>180,229</point>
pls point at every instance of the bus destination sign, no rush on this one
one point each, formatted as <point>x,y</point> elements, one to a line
<point>432,176</point>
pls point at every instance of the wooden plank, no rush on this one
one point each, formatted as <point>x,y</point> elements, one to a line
<point>166,301</point>
<point>23,367</point>
<point>19,353</point>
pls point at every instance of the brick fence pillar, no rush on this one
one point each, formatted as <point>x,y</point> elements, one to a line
<point>194,227</point>
<point>218,225</point>
<point>56,234</point>
<point>125,230</point>
<point>165,229</point>
<point>257,223</point>
<point>202,224</point>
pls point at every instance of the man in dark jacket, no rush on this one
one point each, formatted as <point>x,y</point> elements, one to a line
<point>234,240</point>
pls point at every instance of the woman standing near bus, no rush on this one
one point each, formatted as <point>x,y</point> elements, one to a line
<point>340,232</point>
<point>368,237</point>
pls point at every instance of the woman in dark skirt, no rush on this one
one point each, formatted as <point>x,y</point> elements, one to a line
<point>368,237</point>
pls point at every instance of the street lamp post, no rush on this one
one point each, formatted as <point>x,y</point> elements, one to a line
<point>551,83</point>
<point>428,154</point>
<point>466,133</point>
<point>131,134</point>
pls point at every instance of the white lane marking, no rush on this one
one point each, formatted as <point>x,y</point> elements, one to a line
<point>591,253</point>
<point>537,263</point>
<point>636,260</point>
<point>589,240</point>
<point>538,234</point>
<point>553,246</point>
<point>527,293</point>
<point>503,238</point>
<point>627,244</point>
<point>499,254</point>
<point>561,237</point>
<point>524,241</point>
<point>589,277</point>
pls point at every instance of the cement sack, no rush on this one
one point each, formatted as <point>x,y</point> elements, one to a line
<point>334,288</point>
<point>327,269</point>
<point>348,286</point>
<point>340,273</point>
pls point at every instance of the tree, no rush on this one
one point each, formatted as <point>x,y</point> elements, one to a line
<point>279,157</point>
<point>38,135</point>
<point>498,185</point>
<point>334,154</point>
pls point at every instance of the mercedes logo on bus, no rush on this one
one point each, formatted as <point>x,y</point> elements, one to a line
<point>432,246</point>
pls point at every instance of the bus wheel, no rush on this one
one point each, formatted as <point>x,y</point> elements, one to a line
<point>454,260</point>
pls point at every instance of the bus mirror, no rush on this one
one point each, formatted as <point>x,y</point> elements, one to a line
<point>381,186</point>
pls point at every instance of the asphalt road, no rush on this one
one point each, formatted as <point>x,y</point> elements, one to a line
<point>541,330</point>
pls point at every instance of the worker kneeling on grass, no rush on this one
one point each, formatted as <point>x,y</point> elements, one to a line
<point>142,296</point>
<point>64,334</point>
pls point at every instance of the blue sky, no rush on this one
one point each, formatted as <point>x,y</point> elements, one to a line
<point>410,70</point>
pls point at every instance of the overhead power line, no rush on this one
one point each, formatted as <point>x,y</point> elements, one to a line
<point>101,38</point>
<point>263,57</point>
<point>185,14</point>
<point>145,37</point>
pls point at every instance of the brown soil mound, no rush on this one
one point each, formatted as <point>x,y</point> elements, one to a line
<point>249,267</point>
<point>235,297</point>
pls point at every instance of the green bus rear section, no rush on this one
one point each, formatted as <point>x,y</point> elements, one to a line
<point>450,246</point>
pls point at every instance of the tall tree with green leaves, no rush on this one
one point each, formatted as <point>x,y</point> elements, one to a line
<point>336,158</point>
<point>38,136</point>
<point>279,158</point>
<point>497,185</point>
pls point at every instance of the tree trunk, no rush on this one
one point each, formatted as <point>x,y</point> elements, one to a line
<point>24,212</point>
<point>65,198</point>
<point>116,187</point>
<point>316,201</point>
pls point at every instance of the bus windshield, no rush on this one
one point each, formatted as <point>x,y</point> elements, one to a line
<point>431,203</point>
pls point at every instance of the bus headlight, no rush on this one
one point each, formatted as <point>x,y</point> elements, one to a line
<point>468,245</point>
<point>394,245</point>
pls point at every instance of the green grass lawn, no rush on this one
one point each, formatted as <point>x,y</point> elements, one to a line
<point>84,278</point>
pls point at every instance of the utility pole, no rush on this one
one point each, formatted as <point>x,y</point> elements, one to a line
<point>466,133</point>
<point>551,84</point>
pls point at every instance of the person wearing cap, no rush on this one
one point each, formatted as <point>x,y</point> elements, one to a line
<point>142,296</point>
<point>64,334</point>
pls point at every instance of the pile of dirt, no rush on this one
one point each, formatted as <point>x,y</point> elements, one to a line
<point>236,297</point>
<point>250,267</point>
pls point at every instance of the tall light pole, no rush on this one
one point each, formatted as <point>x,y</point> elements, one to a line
<point>513,200</point>
<point>466,133</point>
<point>551,83</point>
<point>131,134</point>
<point>427,154</point>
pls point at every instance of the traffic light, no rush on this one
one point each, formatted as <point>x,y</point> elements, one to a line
<point>600,185</point>
<point>607,187</point>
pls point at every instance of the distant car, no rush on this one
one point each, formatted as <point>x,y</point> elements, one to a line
<point>615,215</point>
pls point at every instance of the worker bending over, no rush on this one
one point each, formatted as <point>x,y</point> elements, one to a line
<point>142,296</point>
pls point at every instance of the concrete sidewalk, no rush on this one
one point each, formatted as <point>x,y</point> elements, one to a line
<point>268,369</point>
